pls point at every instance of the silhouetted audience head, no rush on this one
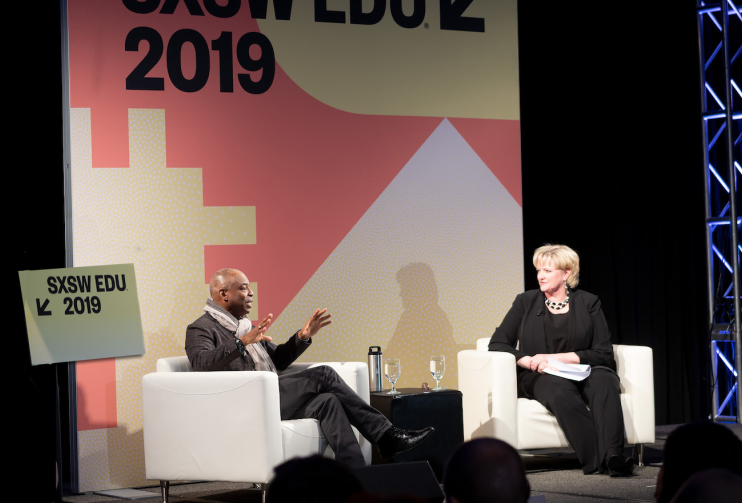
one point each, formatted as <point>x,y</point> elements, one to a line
<point>485,470</point>
<point>716,485</point>
<point>315,479</point>
<point>693,448</point>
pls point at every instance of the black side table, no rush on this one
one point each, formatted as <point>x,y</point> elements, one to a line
<point>415,409</point>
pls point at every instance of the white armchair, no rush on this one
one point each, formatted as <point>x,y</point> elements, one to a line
<point>226,426</point>
<point>492,408</point>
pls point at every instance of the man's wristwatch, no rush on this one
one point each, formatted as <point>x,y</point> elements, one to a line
<point>241,347</point>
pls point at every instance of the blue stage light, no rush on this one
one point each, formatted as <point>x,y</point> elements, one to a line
<point>726,362</point>
<point>718,177</point>
<point>718,101</point>
<point>721,257</point>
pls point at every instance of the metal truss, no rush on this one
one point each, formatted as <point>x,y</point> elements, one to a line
<point>720,52</point>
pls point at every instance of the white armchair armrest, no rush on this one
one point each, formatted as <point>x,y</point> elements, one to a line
<point>634,365</point>
<point>490,395</point>
<point>189,417</point>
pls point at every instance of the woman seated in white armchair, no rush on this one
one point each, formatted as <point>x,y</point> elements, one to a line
<point>559,322</point>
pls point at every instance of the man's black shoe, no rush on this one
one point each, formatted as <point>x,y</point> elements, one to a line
<point>619,466</point>
<point>395,440</point>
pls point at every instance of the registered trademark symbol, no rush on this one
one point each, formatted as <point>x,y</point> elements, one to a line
<point>426,25</point>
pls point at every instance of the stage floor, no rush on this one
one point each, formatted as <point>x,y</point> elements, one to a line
<point>554,473</point>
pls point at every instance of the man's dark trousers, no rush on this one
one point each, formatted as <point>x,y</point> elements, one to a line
<point>319,393</point>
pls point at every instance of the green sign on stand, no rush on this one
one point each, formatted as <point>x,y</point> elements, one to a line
<point>82,313</point>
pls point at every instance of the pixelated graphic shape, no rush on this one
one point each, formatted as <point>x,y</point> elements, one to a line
<point>96,394</point>
<point>497,143</point>
<point>431,266</point>
<point>153,216</point>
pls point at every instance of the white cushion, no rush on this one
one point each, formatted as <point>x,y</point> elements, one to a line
<point>174,364</point>
<point>537,427</point>
<point>302,437</point>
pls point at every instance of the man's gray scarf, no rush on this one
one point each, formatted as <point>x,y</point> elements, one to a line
<point>240,327</point>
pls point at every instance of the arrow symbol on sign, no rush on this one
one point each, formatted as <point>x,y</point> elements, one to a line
<point>41,309</point>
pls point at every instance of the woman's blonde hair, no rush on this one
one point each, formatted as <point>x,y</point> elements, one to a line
<point>563,257</point>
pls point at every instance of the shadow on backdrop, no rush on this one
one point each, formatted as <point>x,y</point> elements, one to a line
<point>423,330</point>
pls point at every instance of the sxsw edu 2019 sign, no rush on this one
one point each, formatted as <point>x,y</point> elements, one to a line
<point>254,51</point>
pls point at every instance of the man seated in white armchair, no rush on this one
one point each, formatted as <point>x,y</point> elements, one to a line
<point>225,339</point>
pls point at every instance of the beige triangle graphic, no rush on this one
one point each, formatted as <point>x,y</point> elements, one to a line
<point>434,264</point>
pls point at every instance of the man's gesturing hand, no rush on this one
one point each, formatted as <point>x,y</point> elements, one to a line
<point>257,334</point>
<point>318,320</point>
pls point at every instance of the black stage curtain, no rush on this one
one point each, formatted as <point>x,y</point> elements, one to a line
<point>613,167</point>
<point>34,201</point>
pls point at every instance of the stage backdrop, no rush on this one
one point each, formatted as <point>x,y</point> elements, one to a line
<point>358,155</point>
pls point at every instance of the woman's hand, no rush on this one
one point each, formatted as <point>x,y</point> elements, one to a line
<point>542,367</point>
<point>537,360</point>
<point>524,362</point>
<point>537,363</point>
<point>257,334</point>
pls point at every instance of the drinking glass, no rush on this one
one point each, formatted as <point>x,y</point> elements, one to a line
<point>392,370</point>
<point>437,368</point>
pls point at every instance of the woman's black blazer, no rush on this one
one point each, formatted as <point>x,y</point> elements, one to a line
<point>589,336</point>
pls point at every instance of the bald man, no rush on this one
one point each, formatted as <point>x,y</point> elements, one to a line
<point>225,339</point>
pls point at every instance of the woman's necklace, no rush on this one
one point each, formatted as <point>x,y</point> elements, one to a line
<point>557,305</point>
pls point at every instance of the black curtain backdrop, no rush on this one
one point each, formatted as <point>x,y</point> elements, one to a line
<point>613,167</point>
<point>34,201</point>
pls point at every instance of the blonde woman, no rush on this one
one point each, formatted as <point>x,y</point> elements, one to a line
<point>567,324</point>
